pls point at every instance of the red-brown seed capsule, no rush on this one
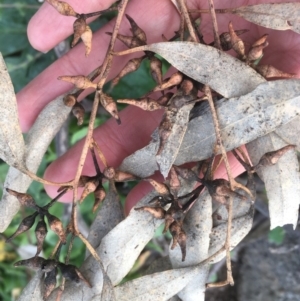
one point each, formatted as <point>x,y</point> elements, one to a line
<point>40,234</point>
<point>79,28</point>
<point>110,106</point>
<point>174,80</point>
<point>99,194</point>
<point>49,283</point>
<point>25,225</point>
<point>34,263</point>
<point>86,38</point>
<point>226,39</point>
<point>136,30</point>
<point>79,81</point>
<point>155,68</point>
<point>72,273</point>
<point>146,104</point>
<point>24,198</point>
<point>161,188</point>
<point>179,237</point>
<point>70,100</point>
<point>63,8</point>
<point>78,111</point>
<point>131,66</point>
<point>271,158</point>
<point>89,187</point>
<point>268,71</point>
<point>237,44</point>
<point>157,212</point>
<point>57,227</point>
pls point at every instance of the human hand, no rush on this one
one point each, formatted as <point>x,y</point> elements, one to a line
<point>48,28</point>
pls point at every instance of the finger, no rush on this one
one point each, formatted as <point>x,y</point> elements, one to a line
<point>47,27</point>
<point>140,190</point>
<point>116,142</point>
<point>46,87</point>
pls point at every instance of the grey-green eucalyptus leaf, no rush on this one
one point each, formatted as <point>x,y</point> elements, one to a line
<point>242,119</point>
<point>33,290</point>
<point>282,180</point>
<point>278,16</point>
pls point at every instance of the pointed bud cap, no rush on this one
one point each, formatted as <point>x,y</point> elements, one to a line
<point>78,111</point>
<point>79,28</point>
<point>57,227</point>
<point>136,30</point>
<point>89,187</point>
<point>237,44</point>
<point>24,198</point>
<point>79,81</point>
<point>86,38</point>
<point>110,106</point>
<point>161,188</point>
<point>34,263</point>
<point>25,225</point>
<point>63,8</point>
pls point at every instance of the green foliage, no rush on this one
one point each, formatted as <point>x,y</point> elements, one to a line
<point>276,236</point>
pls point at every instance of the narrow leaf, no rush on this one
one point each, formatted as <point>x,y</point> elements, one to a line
<point>12,145</point>
<point>223,73</point>
<point>242,119</point>
<point>278,16</point>
<point>38,139</point>
<point>282,180</point>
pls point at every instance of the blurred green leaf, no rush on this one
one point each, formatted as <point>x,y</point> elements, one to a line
<point>276,236</point>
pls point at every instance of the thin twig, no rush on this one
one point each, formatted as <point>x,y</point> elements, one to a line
<point>207,11</point>
<point>215,25</point>
<point>103,76</point>
<point>185,12</point>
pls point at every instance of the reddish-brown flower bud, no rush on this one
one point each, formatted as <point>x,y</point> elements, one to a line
<point>161,188</point>
<point>271,158</point>
<point>256,50</point>
<point>269,71</point>
<point>70,100</point>
<point>179,237</point>
<point>110,106</point>
<point>86,38</point>
<point>146,104</point>
<point>89,187</point>
<point>24,198</point>
<point>57,227</point>
<point>49,283</point>
<point>225,39</point>
<point>40,234</point>
<point>237,44</point>
<point>79,81</point>
<point>78,111</point>
<point>63,8</point>
<point>136,30</point>
<point>174,80</point>
<point>99,194</point>
<point>25,225</point>
<point>79,28</point>
<point>155,68</point>
<point>157,212</point>
<point>131,66</point>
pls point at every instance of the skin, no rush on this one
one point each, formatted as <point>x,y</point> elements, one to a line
<point>47,28</point>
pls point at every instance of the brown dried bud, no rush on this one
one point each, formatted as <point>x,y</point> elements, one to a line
<point>130,42</point>
<point>72,273</point>
<point>110,106</point>
<point>256,50</point>
<point>78,111</point>
<point>174,80</point>
<point>161,188</point>
<point>164,99</point>
<point>49,265</point>
<point>146,104</point>
<point>155,68</point>
<point>179,237</point>
<point>49,283</point>
<point>99,194</point>
<point>174,182</point>
<point>24,198</point>
<point>25,225</point>
<point>57,227</point>
<point>79,81</point>
<point>70,100</point>
<point>164,130</point>
<point>86,38</point>
<point>79,28</point>
<point>271,158</point>
<point>168,221</point>
<point>226,39</point>
<point>109,173</point>
<point>186,173</point>
<point>40,234</point>
<point>237,44</point>
<point>63,8</point>
<point>34,263</point>
<point>137,31</point>
<point>268,71</point>
<point>89,187</point>
<point>131,66</point>
<point>122,176</point>
<point>157,212</point>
